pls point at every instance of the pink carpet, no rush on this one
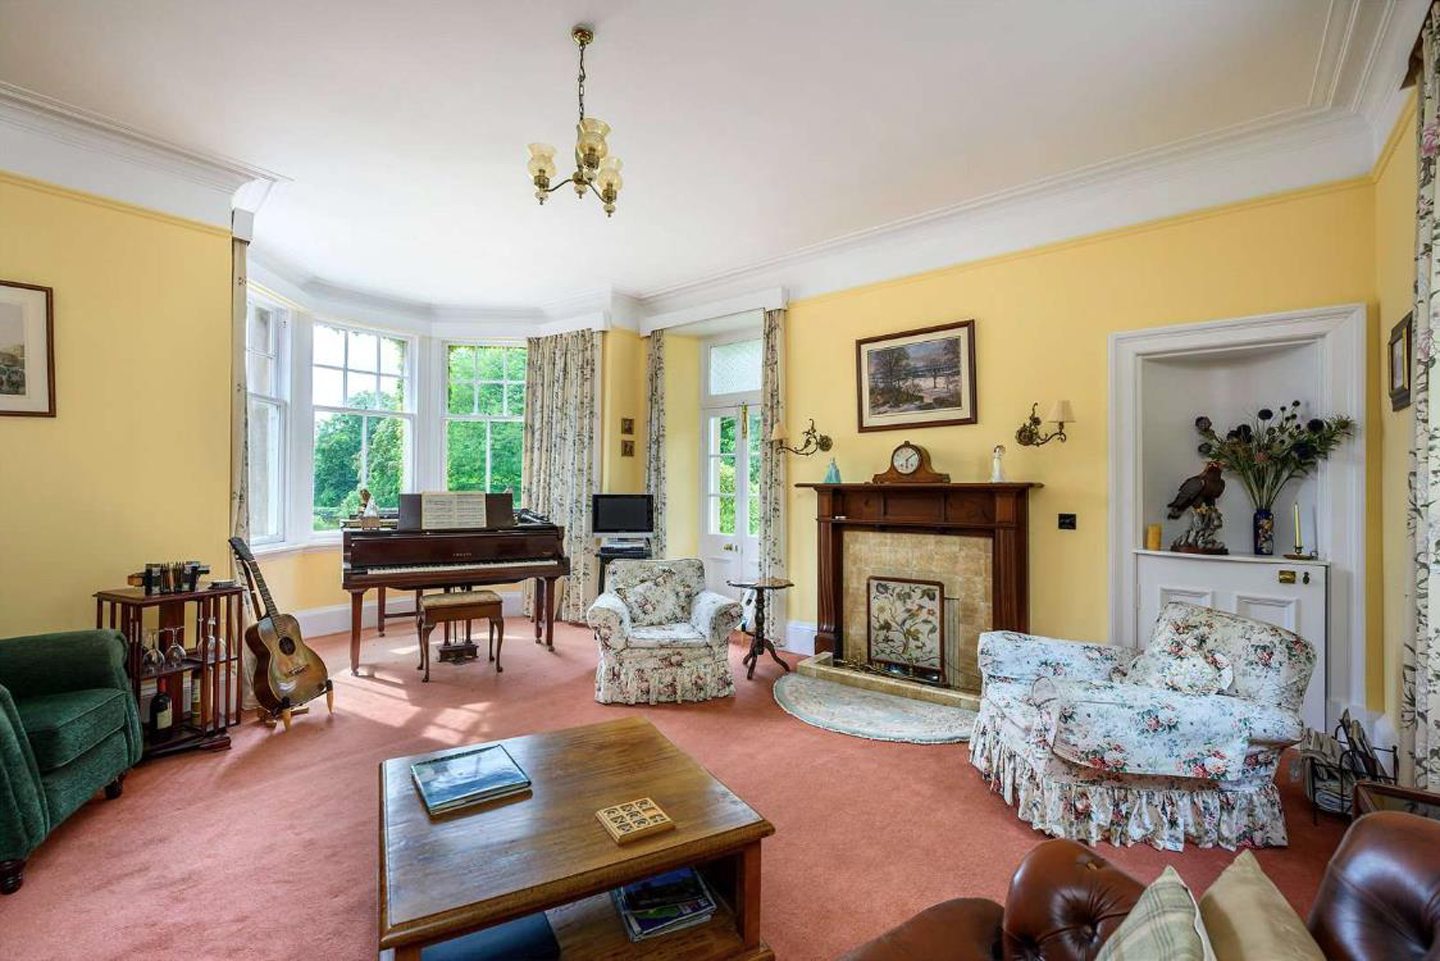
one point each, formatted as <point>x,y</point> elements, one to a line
<point>269,850</point>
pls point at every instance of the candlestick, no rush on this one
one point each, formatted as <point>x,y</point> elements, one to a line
<point>1299,541</point>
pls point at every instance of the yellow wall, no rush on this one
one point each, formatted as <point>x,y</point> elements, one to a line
<point>1042,321</point>
<point>682,445</point>
<point>1395,175</point>
<point>623,394</point>
<point>135,467</point>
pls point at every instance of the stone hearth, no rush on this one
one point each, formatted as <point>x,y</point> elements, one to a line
<point>822,666</point>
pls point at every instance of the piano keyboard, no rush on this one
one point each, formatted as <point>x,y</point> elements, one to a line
<point>475,566</point>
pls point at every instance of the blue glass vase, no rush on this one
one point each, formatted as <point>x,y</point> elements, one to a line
<point>832,473</point>
<point>1263,526</point>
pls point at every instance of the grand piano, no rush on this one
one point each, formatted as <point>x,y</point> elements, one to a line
<point>417,560</point>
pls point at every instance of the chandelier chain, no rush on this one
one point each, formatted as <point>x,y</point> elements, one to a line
<point>580,81</point>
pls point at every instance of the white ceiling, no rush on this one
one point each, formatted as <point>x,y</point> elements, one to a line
<point>749,129</point>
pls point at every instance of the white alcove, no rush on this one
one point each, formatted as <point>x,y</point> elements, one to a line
<point>1161,379</point>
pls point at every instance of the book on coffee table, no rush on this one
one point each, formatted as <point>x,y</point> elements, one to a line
<point>471,777</point>
<point>666,903</point>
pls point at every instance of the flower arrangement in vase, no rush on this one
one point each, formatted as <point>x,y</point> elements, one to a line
<point>1269,452</point>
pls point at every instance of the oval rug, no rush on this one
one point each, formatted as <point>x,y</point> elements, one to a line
<point>871,714</point>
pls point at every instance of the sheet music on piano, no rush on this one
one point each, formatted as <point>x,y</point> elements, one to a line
<point>452,510</point>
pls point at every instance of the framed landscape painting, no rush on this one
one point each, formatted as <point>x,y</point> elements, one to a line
<point>27,351</point>
<point>917,378</point>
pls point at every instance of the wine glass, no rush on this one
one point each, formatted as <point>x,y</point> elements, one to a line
<point>175,653</point>
<point>150,657</point>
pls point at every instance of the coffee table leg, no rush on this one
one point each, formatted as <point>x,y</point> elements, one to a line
<point>747,895</point>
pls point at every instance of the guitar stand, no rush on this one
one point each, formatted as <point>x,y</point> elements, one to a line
<point>287,712</point>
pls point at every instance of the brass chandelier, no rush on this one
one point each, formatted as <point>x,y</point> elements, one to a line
<point>595,170</point>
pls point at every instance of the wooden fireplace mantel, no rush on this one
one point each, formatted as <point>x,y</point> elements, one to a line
<point>997,511</point>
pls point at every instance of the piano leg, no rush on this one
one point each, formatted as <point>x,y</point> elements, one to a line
<point>357,607</point>
<point>550,613</point>
<point>538,606</point>
<point>380,619</point>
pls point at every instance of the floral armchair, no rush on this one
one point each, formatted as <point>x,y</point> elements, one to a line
<point>1177,742</point>
<point>662,636</point>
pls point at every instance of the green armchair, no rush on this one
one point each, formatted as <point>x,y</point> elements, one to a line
<point>69,726</point>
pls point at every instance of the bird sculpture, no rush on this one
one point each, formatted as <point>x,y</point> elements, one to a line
<point>1202,490</point>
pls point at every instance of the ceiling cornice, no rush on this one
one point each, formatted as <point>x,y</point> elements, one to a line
<point>50,140</point>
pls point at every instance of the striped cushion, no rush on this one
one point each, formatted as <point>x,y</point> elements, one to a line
<point>1165,923</point>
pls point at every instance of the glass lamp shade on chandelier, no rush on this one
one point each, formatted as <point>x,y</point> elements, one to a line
<point>595,170</point>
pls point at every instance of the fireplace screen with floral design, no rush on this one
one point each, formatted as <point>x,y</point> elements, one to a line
<point>907,627</point>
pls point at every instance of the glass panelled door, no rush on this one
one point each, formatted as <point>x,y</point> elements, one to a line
<point>730,521</point>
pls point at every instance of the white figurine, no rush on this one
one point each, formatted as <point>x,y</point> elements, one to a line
<point>997,469</point>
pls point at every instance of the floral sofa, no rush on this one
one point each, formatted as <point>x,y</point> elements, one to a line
<point>662,636</point>
<point>1177,742</point>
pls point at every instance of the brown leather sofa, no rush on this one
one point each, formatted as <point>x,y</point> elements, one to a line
<point>1379,901</point>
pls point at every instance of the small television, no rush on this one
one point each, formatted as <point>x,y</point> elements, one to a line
<point>622,513</point>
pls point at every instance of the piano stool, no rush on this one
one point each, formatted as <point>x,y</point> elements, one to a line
<point>452,608</point>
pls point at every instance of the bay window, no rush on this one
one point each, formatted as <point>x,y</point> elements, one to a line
<point>484,417</point>
<point>267,390</point>
<point>364,421</point>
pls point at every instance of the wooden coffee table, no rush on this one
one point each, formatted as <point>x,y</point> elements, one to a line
<point>444,877</point>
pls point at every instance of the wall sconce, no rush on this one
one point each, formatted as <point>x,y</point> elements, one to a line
<point>811,442</point>
<point>1029,433</point>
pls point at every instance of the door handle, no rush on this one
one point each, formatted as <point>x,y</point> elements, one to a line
<point>727,547</point>
<point>1287,577</point>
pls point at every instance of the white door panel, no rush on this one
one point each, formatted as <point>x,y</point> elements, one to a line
<point>729,523</point>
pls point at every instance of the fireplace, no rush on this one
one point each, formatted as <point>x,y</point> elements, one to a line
<point>970,539</point>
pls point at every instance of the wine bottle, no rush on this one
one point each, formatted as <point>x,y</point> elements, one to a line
<point>162,717</point>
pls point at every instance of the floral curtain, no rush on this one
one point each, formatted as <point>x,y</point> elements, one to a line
<point>1420,675</point>
<point>772,465</point>
<point>560,454</point>
<point>655,438</point>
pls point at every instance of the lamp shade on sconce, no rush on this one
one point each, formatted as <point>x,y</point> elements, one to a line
<point>1061,413</point>
<point>778,435</point>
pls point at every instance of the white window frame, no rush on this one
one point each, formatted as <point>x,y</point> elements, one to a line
<point>312,410</point>
<point>709,405</point>
<point>442,396</point>
<point>278,398</point>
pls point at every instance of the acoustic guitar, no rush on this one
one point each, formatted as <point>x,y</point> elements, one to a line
<point>287,672</point>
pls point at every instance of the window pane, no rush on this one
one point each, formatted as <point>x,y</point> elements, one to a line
<point>724,434</point>
<point>392,356</point>
<point>266,471</point>
<point>461,398</point>
<point>735,367</point>
<point>724,515</point>
<point>329,346</point>
<point>257,333</point>
<point>490,399</point>
<point>507,442</point>
<point>364,351</point>
<point>490,363</point>
<point>753,523</point>
<point>465,442</point>
<point>392,393</point>
<point>385,459</point>
<point>515,363</point>
<point>329,387</point>
<point>514,399</point>
<point>462,363</point>
<point>362,390</point>
<point>337,468</point>
<point>725,475</point>
<point>258,373</point>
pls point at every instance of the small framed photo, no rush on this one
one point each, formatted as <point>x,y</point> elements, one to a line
<point>1402,362</point>
<point>917,378</point>
<point>627,448</point>
<point>27,350</point>
<point>627,425</point>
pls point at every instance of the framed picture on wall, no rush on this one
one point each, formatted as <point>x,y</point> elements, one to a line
<point>27,350</point>
<point>1402,362</point>
<point>917,378</point>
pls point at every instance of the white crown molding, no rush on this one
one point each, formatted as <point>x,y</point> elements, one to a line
<point>768,298</point>
<point>49,140</point>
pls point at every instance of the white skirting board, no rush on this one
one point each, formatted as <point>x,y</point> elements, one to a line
<point>335,619</point>
<point>800,637</point>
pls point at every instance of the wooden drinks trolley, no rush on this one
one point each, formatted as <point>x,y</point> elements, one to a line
<point>184,617</point>
<point>545,850</point>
